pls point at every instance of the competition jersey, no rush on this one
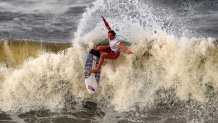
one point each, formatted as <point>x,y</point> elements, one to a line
<point>114,44</point>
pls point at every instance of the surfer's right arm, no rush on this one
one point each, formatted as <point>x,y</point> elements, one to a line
<point>105,23</point>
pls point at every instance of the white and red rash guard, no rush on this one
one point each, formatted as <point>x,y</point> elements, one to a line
<point>114,44</point>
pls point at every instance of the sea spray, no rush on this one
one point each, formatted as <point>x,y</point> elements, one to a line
<point>166,73</point>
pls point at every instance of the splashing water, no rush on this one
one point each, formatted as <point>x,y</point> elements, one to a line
<point>176,74</point>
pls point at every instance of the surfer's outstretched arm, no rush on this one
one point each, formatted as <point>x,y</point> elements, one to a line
<point>105,23</point>
<point>127,51</point>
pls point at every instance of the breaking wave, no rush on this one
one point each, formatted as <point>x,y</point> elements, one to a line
<point>165,72</point>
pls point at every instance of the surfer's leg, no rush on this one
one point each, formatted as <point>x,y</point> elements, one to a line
<point>111,55</point>
<point>102,48</point>
<point>101,60</point>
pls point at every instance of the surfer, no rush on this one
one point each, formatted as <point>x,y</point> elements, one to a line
<point>113,50</point>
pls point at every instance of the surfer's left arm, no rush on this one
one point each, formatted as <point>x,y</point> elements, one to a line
<point>121,46</point>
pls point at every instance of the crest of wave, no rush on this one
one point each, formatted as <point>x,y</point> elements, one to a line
<point>160,62</point>
<point>188,66</point>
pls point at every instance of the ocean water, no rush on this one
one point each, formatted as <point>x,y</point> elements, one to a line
<point>170,78</point>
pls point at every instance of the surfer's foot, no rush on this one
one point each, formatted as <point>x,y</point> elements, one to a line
<point>94,70</point>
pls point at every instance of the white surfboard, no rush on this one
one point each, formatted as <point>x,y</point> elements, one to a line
<point>91,79</point>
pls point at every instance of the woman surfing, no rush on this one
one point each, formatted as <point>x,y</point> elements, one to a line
<point>112,51</point>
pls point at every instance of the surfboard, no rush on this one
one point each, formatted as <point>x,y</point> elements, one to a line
<point>92,79</point>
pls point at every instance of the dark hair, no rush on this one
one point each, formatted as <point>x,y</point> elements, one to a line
<point>112,32</point>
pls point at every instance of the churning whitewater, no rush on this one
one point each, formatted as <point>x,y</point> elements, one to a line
<point>171,72</point>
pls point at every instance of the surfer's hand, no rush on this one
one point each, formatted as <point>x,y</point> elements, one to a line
<point>129,52</point>
<point>102,18</point>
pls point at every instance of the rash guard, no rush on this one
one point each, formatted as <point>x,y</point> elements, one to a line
<point>114,44</point>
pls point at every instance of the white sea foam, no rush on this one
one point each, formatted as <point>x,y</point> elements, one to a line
<point>161,62</point>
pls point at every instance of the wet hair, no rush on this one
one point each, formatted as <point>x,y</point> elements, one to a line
<point>112,32</point>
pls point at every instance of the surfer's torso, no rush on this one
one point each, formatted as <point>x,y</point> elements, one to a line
<point>114,44</point>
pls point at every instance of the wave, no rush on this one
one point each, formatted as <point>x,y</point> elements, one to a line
<point>15,52</point>
<point>166,72</point>
<point>45,6</point>
<point>164,62</point>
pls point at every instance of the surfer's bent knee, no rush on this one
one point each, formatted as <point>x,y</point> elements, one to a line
<point>104,55</point>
